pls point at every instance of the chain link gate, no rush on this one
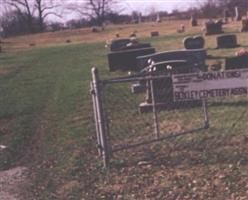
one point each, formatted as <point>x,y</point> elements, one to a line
<point>123,121</point>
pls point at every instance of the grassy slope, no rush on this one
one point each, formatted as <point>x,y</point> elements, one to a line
<point>46,116</point>
<point>46,101</point>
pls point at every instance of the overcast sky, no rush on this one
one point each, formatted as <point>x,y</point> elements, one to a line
<point>159,5</point>
<point>127,6</point>
<point>145,6</point>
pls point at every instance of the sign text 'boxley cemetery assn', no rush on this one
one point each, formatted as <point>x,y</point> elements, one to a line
<point>210,84</point>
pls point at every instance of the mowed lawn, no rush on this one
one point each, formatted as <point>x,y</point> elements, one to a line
<point>47,122</point>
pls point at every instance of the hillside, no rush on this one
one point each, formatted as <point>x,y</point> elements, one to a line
<point>47,122</point>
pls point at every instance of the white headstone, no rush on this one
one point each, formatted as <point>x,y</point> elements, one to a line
<point>158,18</point>
<point>237,15</point>
<point>140,17</point>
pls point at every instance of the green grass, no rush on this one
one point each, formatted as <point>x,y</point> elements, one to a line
<point>46,119</point>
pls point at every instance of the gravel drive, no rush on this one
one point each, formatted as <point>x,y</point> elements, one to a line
<point>12,182</point>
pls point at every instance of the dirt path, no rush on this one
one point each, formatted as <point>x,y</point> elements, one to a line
<point>12,183</point>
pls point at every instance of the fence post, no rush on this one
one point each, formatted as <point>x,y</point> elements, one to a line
<point>93,95</point>
<point>205,111</point>
<point>100,117</point>
<point>154,110</point>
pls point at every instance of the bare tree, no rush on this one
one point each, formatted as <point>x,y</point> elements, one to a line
<point>93,9</point>
<point>218,5</point>
<point>25,10</point>
<point>45,8</point>
<point>35,8</point>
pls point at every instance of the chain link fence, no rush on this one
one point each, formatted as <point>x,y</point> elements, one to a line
<point>139,110</point>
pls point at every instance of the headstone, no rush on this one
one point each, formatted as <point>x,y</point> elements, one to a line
<point>181,29</point>
<point>163,88</point>
<point>95,29</point>
<point>158,20</point>
<point>124,52</point>
<point>195,57</point>
<point>213,27</point>
<point>118,44</point>
<point>237,62</point>
<point>140,17</point>
<point>193,21</point>
<point>237,14</point>
<point>133,34</point>
<point>138,88</point>
<point>196,42</point>
<point>244,25</point>
<point>169,62</point>
<point>215,66</point>
<point>154,34</point>
<point>226,15</point>
<point>227,41</point>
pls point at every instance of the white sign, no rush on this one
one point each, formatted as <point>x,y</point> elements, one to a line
<point>203,85</point>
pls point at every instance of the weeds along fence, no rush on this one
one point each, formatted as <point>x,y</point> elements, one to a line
<point>126,120</point>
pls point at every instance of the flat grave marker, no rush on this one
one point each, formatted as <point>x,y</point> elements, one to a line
<point>154,34</point>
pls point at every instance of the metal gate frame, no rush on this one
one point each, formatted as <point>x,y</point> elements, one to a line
<point>102,132</point>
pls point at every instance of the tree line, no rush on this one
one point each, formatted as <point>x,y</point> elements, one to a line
<point>20,17</point>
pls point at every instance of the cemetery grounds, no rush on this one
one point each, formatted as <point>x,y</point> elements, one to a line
<point>46,120</point>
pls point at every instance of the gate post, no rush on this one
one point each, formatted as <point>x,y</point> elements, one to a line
<point>154,110</point>
<point>99,116</point>
<point>93,95</point>
<point>205,111</point>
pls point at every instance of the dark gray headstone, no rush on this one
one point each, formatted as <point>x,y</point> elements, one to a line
<point>227,41</point>
<point>132,35</point>
<point>154,33</point>
<point>196,58</point>
<point>181,29</point>
<point>237,62</point>
<point>118,44</point>
<point>213,27</point>
<point>244,25</point>
<point>193,21</point>
<point>196,42</point>
<point>226,15</point>
<point>163,88</point>
<point>125,60</point>
<point>95,29</point>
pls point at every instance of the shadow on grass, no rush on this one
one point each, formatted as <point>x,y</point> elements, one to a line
<point>238,103</point>
<point>211,57</point>
<point>208,150</point>
<point>215,146</point>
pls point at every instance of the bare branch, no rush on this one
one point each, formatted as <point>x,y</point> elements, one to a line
<point>94,9</point>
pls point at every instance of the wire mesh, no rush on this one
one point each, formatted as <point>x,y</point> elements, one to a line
<point>130,121</point>
<point>130,117</point>
<point>124,119</point>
